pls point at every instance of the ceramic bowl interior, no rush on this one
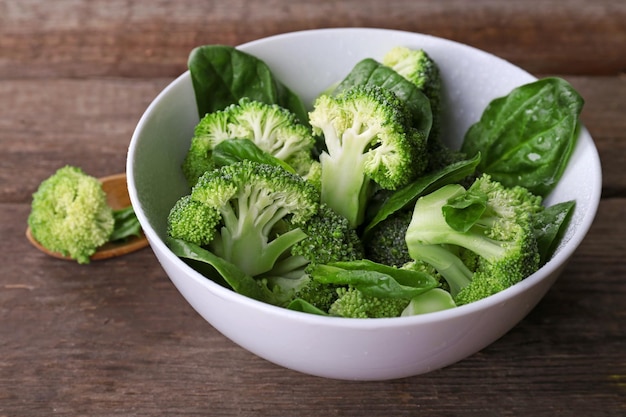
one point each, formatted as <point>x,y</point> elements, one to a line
<point>356,349</point>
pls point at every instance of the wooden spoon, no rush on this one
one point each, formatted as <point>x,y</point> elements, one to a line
<point>117,197</point>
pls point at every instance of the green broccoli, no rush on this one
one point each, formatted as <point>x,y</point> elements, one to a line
<point>481,240</point>
<point>369,142</point>
<point>272,128</point>
<point>329,239</point>
<point>268,223</point>
<point>70,215</point>
<point>352,303</point>
<point>193,221</point>
<point>420,69</point>
<point>386,243</point>
<point>436,299</point>
<point>259,208</point>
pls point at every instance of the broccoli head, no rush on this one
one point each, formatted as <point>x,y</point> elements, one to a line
<point>272,128</point>
<point>255,208</point>
<point>481,240</point>
<point>70,214</point>
<point>353,303</point>
<point>369,141</point>
<point>193,221</point>
<point>386,243</point>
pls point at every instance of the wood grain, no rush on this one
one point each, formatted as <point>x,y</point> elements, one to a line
<point>115,338</point>
<point>68,38</point>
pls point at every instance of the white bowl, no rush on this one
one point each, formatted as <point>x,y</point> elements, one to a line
<point>356,349</point>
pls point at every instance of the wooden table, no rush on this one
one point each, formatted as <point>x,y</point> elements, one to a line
<point>116,338</point>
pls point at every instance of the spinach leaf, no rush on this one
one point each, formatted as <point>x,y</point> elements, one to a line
<point>126,224</point>
<point>239,281</point>
<point>550,224</point>
<point>229,151</point>
<point>371,72</point>
<point>221,75</point>
<point>374,279</point>
<point>527,137</point>
<point>298,304</point>
<point>405,196</point>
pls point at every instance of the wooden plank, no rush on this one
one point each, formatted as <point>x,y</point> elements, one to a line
<point>66,38</point>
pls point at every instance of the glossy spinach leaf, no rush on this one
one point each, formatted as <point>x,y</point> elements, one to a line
<point>374,279</point>
<point>550,225</point>
<point>229,151</point>
<point>239,281</point>
<point>371,72</point>
<point>221,75</point>
<point>527,137</point>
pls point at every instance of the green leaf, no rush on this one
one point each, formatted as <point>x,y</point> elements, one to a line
<point>527,137</point>
<point>221,75</point>
<point>550,224</point>
<point>303,306</point>
<point>230,151</point>
<point>126,224</point>
<point>239,281</point>
<point>461,213</point>
<point>374,279</point>
<point>406,196</point>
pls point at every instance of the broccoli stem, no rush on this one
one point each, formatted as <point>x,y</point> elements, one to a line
<point>456,274</point>
<point>244,236</point>
<point>433,228</point>
<point>345,187</point>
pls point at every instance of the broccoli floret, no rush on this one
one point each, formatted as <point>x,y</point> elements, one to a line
<point>269,224</point>
<point>369,141</point>
<point>419,68</point>
<point>70,214</point>
<point>319,295</point>
<point>329,239</point>
<point>352,303</point>
<point>386,243</point>
<point>493,223</point>
<point>260,208</point>
<point>272,128</point>
<point>193,221</point>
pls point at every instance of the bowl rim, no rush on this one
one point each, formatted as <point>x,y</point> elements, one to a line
<point>552,266</point>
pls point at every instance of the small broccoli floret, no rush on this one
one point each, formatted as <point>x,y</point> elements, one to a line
<point>272,128</point>
<point>329,239</point>
<point>494,223</point>
<point>369,141</point>
<point>193,221</point>
<point>352,303</point>
<point>70,214</point>
<point>386,243</point>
